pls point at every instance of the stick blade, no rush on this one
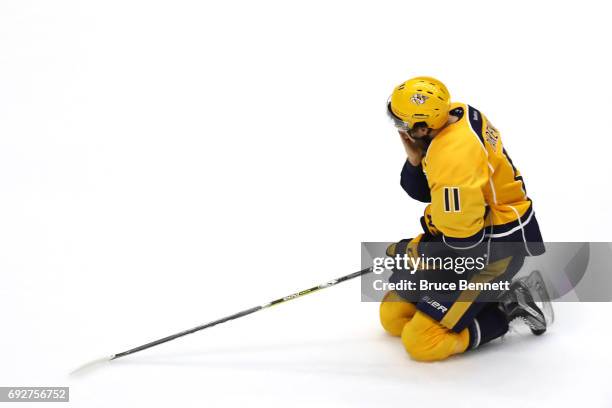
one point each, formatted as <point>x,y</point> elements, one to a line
<point>91,365</point>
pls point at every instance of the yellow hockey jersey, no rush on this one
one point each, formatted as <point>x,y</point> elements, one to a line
<point>475,189</point>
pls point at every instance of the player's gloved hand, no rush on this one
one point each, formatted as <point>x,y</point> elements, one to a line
<point>412,147</point>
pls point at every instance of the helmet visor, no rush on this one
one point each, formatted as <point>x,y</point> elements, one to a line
<point>397,122</point>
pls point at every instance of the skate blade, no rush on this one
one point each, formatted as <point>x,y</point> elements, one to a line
<point>536,284</point>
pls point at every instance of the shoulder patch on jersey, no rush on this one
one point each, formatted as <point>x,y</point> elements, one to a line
<point>475,118</point>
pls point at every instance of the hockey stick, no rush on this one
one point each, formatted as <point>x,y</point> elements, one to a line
<point>227,318</point>
<point>578,269</point>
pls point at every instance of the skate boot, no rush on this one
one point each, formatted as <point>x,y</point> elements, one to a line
<point>519,303</point>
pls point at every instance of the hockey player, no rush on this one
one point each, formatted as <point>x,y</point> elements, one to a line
<point>477,203</point>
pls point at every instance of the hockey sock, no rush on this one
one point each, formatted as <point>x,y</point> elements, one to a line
<point>488,325</point>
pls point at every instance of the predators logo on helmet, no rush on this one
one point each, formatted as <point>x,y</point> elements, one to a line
<point>418,99</point>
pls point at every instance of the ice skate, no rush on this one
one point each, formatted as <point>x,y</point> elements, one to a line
<point>520,303</point>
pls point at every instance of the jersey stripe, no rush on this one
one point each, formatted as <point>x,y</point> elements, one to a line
<point>475,119</point>
<point>464,243</point>
<point>477,134</point>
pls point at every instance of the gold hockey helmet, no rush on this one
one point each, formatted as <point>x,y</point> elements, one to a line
<point>421,99</point>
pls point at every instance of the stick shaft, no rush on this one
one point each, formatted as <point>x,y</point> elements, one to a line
<point>243,313</point>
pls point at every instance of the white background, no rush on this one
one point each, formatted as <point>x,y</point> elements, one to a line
<point>165,163</point>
